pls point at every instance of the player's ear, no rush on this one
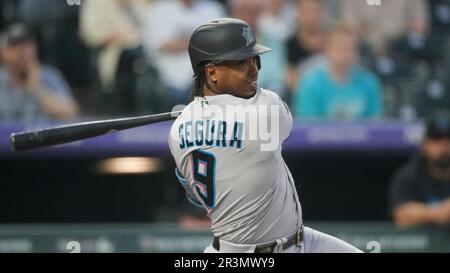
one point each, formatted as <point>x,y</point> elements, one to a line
<point>211,73</point>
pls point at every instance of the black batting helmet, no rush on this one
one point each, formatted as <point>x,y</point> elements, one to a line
<point>223,39</point>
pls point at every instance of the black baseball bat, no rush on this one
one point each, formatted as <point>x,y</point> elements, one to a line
<point>22,141</point>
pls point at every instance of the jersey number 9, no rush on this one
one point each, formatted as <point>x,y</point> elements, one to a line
<point>204,172</point>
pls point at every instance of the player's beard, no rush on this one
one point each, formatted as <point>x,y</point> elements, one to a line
<point>442,162</point>
<point>440,167</point>
<point>253,85</point>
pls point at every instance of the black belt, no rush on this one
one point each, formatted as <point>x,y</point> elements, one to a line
<point>294,239</point>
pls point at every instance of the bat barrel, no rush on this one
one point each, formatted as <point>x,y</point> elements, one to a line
<point>73,132</point>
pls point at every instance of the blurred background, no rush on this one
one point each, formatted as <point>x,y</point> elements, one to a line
<point>360,79</point>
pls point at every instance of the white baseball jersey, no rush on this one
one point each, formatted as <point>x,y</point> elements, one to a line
<point>228,155</point>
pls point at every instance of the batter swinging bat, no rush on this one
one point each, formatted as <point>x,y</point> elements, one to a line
<point>67,133</point>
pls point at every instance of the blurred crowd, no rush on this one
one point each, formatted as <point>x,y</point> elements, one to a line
<point>338,60</point>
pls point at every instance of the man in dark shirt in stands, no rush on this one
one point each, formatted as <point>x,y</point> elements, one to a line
<point>420,190</point>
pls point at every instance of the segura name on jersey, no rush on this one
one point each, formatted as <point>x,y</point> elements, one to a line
<point>210,133</point>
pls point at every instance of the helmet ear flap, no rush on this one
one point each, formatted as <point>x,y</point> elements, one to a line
<point>258,62</point>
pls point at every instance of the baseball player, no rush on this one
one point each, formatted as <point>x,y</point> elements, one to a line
<point>227,147</point>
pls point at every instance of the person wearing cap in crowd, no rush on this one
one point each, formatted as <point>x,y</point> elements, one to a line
<point>420,190</point>
<point>29,90</point>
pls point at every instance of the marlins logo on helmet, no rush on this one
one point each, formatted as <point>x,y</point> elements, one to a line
<point>247,33</point>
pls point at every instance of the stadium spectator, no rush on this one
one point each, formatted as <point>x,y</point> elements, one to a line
<point>275,25</point>
<point>169,25</point>
<point>9,11</point>
<point>414,46</point>
<point>434,95</point>
<point>400,15</point>
<point>247,10</point>
<point>440,17</point>
<point>420,190</point>
<point>56,28</point>
<point>115,30</point>
<point>29,90</point>
<point>340,89</point>
<point>306,41</point>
